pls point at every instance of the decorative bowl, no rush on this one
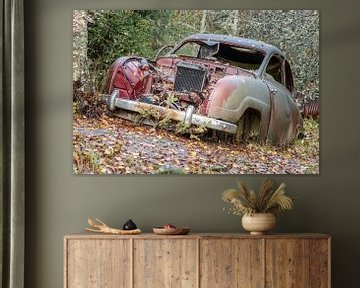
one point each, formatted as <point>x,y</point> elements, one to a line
<point>259,223</point>
<point>171,231</point>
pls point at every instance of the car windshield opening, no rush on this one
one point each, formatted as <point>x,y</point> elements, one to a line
<point>243,57</point>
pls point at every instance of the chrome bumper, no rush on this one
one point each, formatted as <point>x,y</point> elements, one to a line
<point>187,116</point>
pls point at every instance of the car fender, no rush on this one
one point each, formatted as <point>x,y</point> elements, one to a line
<point>233,95</point>
<point>127,74</point>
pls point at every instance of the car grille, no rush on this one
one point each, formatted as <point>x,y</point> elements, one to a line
<point>189,77</point>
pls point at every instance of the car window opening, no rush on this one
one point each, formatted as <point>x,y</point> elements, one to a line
<point>274,71</point>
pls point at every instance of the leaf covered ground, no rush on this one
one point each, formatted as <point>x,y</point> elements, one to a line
<point>109,145</point>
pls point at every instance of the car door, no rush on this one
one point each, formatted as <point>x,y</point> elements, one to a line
<point>284,115</point>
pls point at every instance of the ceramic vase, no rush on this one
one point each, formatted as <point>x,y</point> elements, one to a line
<point>259,223</point>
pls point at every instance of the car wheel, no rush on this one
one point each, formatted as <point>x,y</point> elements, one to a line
<point>248,126</point>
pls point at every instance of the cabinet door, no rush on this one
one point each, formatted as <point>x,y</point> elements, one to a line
<point>287,263</point>
<point>167,263</point>
<point>231,263</point>
<point>320,263</point>
<point>98,263</point>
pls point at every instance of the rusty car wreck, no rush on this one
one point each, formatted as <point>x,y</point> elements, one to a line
<point>229,84</point>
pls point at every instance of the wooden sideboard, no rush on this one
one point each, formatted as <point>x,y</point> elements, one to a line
<point>197,260</point>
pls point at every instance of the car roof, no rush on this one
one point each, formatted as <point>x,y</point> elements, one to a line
<point>236,41</point>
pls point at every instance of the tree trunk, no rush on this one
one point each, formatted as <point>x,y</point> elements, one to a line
<point>80,39</point>
<point>203,21</point>
<point>235,28</point>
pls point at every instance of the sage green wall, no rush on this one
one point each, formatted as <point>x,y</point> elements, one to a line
<point>59,203</point>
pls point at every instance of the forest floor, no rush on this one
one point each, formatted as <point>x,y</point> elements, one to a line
<point>108,145</point>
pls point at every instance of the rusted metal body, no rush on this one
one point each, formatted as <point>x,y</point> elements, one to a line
<point>311,109</point>
<point>230,84</point>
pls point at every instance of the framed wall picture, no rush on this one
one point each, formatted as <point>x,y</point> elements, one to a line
<point>195,92</point>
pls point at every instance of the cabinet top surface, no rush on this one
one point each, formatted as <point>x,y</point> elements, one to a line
<point>86,235</point>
